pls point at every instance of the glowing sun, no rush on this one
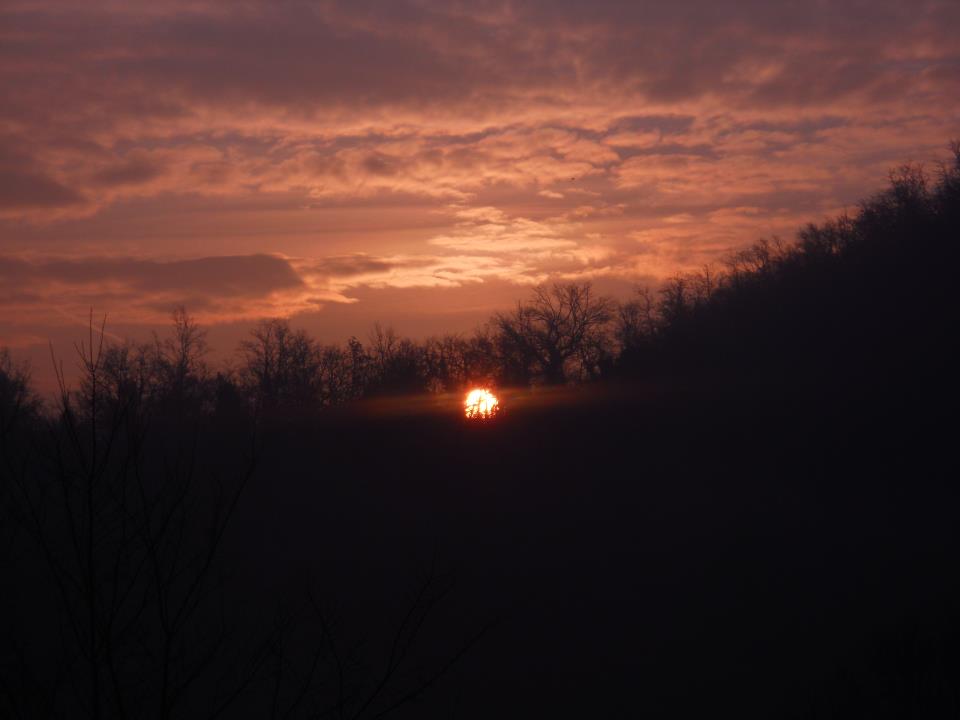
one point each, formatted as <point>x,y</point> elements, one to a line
<point>481,404</point>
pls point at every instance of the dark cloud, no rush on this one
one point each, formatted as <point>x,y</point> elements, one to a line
<point>133,171</point>
<point>352,265</point>
<point>666,124</point>
<point>308,57</point>
<point>131,285</point>
<point>22,190</point>
<point>229,276</point>
<point>24,183</point>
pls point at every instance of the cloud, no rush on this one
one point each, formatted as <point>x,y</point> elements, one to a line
<point>488,229</point>
<point>134,289</point>
<point>25,186</point>
<point>374,100</point>
<point>347,266</point>
<point>262,158</point>
<point>484,245</point>
<point>128,172</point>
<point>26,190</point>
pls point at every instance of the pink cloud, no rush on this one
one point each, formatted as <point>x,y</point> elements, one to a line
<point>264,158</point>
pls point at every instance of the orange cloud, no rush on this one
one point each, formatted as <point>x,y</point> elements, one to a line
<point>273,158</point>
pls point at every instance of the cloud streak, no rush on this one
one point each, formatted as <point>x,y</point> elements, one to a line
<point>259,158</point>
<point>218,288</point>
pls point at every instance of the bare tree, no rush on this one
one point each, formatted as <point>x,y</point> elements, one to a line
<point>180,358</point>
<point>396,363</point>
<point>129,547</point>
<point>703,284</point>
<point>559,324</point>
<point>823,242</point>
<point>281,366</point>
<point>675,300</point>
<point>128,614</point>
<point>335,375</point>
<point>17,401</point>
<point>636,320</point>
<point>445,361</point>
<point>481,362</point>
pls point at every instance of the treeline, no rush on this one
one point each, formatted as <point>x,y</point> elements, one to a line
<point>121,599</point>
<point>122,595</point>
<point>563,333</point>
<point>861,300</point>
<point>869,288</point>
<point>116,498</point>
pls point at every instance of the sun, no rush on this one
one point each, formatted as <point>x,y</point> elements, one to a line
<point>481,404</point>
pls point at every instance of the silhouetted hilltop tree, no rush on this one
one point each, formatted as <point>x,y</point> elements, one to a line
<point>131,378</point>
<point>116,602</point>
<point>853,299</point>
<point>359,367</point>
<point>336,375</point>
<point>481,360</point>
<point>445,361</point>
<point>397,365</point>
<point>182,372</point>
<point>19,404</point>
<point>862,292</point>
<point>168,377</point>
<point>280,368</point>
<point>635,326</point>
<point>117,552</point>
<point>20,419</point>
<point>560,333</point>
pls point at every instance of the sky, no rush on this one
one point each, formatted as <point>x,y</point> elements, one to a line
<point>424,163</point>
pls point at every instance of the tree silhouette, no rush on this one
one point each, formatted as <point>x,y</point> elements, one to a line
<point>129,547</point>
<point>113,531</point>
<point>560,325</point>
<point>19,405</point>
<point>280,367</point>
<point>182,370</point>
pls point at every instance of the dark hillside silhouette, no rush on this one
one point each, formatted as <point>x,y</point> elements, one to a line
<point>731,494</point>
<point>117,507</point>
<point>863,298</point>
<point>854,299</point>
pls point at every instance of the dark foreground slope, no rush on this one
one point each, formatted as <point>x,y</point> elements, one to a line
<point>755,516</point>
<point>758,518</point>
<point>628,550</point>
<point>657,551</point>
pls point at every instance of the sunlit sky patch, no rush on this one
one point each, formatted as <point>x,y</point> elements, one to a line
<point>422,163</point>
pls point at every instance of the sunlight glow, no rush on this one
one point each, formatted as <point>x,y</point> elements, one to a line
<point>481,404</point>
